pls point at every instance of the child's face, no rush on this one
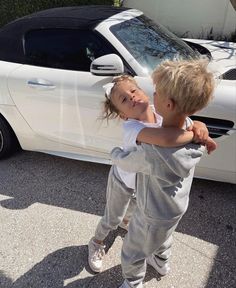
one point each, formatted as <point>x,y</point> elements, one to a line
<point>130,100</point>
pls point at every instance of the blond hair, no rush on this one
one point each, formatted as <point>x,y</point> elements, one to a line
<point>109,109</point>
<point>187,82</point>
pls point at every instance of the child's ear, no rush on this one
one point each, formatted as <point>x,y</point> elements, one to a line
<point>170,104</point>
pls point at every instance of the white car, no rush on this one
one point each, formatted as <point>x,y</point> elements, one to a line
<point>54,63</point>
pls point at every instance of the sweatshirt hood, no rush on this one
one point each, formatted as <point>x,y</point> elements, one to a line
<point>179,161</point>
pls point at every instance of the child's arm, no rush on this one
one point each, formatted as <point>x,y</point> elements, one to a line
<point>149,160</point>
<point>173,137</point>
<point>165,137</point>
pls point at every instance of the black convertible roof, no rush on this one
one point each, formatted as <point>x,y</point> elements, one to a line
<point>80,16</point>
<point>77,17</point>
<point>94,13</point>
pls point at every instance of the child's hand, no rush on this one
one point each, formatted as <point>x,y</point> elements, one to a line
<point>200,132</point>
<point>210,145</point>
<point>201,135</point>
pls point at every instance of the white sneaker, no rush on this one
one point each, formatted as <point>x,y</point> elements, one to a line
<point>158,265</point>
<point>96,253</point>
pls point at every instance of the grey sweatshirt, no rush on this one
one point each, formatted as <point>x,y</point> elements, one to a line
<point>164,177</point>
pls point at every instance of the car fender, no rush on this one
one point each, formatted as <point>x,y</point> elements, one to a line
<point>223,53</point>
<point>18,124</point>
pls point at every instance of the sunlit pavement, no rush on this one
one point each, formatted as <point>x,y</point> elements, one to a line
<point>49,208</point>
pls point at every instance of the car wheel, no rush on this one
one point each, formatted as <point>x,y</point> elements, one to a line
<point>8,141</point>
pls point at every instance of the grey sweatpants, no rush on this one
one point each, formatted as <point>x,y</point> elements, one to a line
<point>145,237</point>
<point>120,204</point>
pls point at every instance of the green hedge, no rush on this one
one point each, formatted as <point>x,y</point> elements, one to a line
<point>13,9</point>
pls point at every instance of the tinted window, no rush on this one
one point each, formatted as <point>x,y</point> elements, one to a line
<point>150,43</point>
<point>64,48</point>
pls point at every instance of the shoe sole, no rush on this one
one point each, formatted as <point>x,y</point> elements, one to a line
<point>95,271</point>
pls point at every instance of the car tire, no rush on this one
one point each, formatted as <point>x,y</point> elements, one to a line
<point>8,140</point>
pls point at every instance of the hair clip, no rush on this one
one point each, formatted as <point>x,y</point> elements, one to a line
<point>108,87</point>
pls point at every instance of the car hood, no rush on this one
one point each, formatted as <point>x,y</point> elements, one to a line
<point>223,53</point>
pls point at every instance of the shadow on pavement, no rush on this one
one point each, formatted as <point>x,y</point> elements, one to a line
<point>211,216</point>
<point>5,281</point>
<point>37,177</point>
<point>62,269</point>
<point>81,186</point>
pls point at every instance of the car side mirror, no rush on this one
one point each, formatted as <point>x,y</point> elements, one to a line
<point>107,65</point>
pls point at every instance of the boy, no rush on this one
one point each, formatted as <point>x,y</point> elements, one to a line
<point>164,175</point>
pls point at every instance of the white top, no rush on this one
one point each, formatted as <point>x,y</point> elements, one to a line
<point>131,129</point>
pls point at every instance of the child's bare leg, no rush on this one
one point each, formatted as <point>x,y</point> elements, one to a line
<point>98,241</point>
<point>129,212</point>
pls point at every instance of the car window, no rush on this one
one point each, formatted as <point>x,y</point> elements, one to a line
<point>150,43</point>
<point>64,48</point>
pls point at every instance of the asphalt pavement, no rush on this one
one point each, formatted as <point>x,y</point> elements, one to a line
<point>49,208</point>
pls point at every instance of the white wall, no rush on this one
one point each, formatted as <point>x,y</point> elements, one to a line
<point>190,18</point>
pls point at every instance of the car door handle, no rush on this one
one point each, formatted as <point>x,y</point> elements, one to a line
<point>41,84</point>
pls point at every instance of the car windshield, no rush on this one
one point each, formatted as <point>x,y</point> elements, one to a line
<point>149,42</point>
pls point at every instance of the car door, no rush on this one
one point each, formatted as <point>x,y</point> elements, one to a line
<point>57,95</point>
